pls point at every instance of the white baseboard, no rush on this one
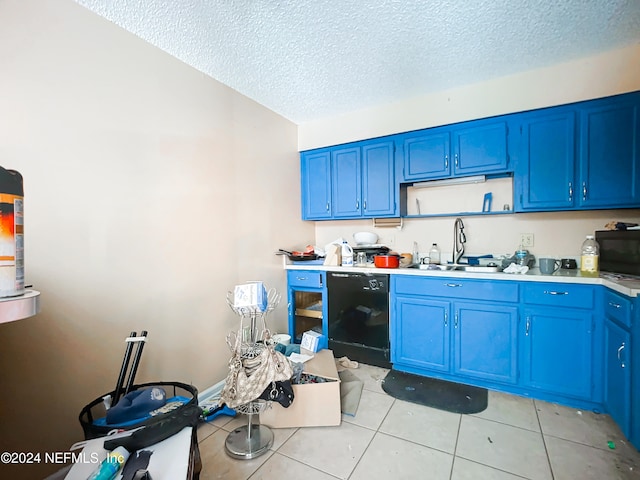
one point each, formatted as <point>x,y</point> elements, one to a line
<point>212,391</point>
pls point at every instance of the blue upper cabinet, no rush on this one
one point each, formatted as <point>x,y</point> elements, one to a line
<point>583,156</point>
<point>351,181</point>
<point>609,163</point>
<point>316,184</point>
<point>470,148</point>
<point>346,184</point>
<point>480,148</point>
<point>426,155</point>
<point>580,156</point>
<point>378,179</point>
<point>544,176</point>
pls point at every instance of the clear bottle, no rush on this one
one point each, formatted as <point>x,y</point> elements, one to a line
<point>434,254</point>
<point>521,255</point>
<point>589,257</point>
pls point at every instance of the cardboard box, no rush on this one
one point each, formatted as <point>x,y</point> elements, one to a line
<point>311,341</point>
<point>314,404</point>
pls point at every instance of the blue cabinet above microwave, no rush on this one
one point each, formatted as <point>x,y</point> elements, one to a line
<point>583,156</point>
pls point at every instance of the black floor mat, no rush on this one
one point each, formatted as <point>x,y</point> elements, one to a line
<point>432,392</point>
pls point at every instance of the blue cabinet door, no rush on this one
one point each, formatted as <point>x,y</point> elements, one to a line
<point>617,392</point>
<point>378,180</point>
<point>420,334</point>
<point>426,155</point>
<point>346,179</point>
<point>485,341</point>
<point>558,351</point>
<point>609,155</point>
<point>544,175</point>
<point>307,304</point>
<point>479,148</point>
<point>316,185</point>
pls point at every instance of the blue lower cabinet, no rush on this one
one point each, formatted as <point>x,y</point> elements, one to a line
<point>457,338</point>
<point>485,341</point>
<point>617,373</point>
<point>557,351</point>
<point>307,303</point>
<point>420,334</point>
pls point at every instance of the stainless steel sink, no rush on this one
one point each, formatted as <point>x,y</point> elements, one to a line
<point>463,267</point>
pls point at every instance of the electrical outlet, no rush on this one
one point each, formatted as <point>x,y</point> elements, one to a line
<point>526,239</point>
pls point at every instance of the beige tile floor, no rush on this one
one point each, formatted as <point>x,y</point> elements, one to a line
<point>514,438</point>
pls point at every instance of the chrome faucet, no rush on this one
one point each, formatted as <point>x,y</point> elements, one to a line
<point>459,239</point>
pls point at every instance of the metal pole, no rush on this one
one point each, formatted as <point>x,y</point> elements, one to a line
<point>123,371</point>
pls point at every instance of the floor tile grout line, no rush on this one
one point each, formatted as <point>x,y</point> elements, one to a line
<point>274,452</point>
<point>492,467</point>
<point>375,432</point>
<point>413,442</point>
<point>544,441</point>
<point>364,452</point>
<point>505,424</point>
<point>480,463</point>
<point>455,447</point>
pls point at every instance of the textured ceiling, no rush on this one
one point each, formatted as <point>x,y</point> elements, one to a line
<point>308,59</point>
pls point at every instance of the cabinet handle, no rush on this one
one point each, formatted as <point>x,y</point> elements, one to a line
<point>357,204</point>
<point>452,284</point>
<point>364,205</point>
<point>553,292</point>
<point>456,157</point>
<point>570,191</point>
<point>584,190</point>
<point>455,325</point>
<point>327,206</point>
<point>527,327</point>
<point>446,161</point>
<point>446,319</point>
<point>622,364</point>
<point>301,279</point>
<point>614,305</point>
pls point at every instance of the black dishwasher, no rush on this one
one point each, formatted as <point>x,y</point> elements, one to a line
<point>358,308</point>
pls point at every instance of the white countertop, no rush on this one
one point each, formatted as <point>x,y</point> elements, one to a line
<point>624,285</point>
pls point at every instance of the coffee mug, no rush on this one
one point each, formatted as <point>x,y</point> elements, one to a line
<point>568,264</point>
<point>549,265</point>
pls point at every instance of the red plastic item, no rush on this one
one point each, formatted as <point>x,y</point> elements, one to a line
<point>386,261</point>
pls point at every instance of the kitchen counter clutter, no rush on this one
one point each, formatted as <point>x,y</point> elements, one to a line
<point>563,338</point>
<point>622,284</point>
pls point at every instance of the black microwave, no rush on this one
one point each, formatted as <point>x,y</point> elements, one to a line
<point>619,251</point>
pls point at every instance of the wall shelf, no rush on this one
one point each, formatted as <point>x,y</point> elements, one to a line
<point>460,214</point>
<point>22,306</point>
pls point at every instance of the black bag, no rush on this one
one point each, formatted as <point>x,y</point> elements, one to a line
<point>279,391</point>
<point>168,425</point>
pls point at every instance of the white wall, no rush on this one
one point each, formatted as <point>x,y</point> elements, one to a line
<point>150,191</point>
<point>609,73</point>
<point>557,234</point>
